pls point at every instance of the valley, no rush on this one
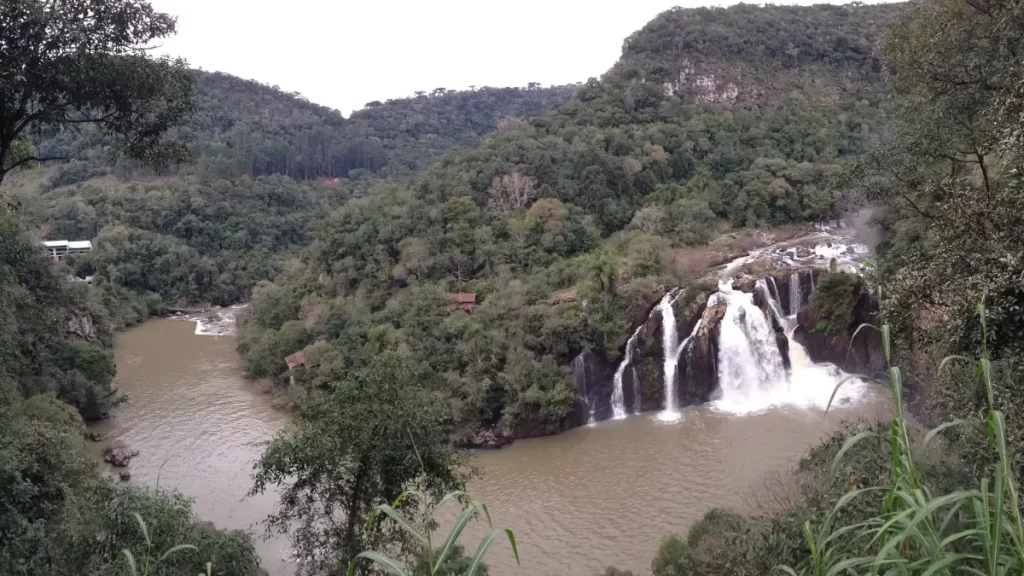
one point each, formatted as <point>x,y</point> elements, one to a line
<point>747,303</point>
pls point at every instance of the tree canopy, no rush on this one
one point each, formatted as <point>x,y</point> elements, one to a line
<point>83,63</point>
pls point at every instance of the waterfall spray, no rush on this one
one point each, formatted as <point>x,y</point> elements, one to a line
<point>618,400</point>
<point>750,368</point>
<point>671,353</point>
<point>794,293</point>
<point>579,372</point>
<point>762,287</point>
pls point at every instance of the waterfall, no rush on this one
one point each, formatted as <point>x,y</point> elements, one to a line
<point>579,372</point>
<point>637,406</point>
<point>671,353</point>
<point>618,400</point>
<point>751,375</point>
<point>794,293</point>
<point>766,292</point>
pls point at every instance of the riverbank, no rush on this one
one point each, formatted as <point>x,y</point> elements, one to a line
<point>197,424</point>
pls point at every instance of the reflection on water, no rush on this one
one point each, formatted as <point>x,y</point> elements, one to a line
<point>197,424</point>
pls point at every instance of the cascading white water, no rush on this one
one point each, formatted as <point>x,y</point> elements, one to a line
<point>766,293</point>
<point>637,399</point>
<point>671,353</point>
<point>618,399</point>
<point>750,367</point>
<point>751,374</point>
<point>794,293</point>
<point>579,372</point>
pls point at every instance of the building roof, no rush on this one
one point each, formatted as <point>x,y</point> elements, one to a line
<point>295,359</point>
<point>463,297</point>
<point>70,245</point>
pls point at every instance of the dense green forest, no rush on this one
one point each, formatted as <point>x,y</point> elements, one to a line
<point>244,128</point>
<point>267,166</point>
<point>566,212</point>
<point>568,226</point>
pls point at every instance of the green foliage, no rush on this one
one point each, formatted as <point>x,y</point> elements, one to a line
<point>446,560</point>
<point>833,301</point>
<point>243,128</point>
<point>921,530</point>
<point>58,517</point>
<point>357,445</point>
<point>80,64</point>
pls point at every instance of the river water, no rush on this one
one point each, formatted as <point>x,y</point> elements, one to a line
<point>578,502</point>
<point>197,424</point>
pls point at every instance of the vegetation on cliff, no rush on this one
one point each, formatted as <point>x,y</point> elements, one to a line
<point>568,227</point>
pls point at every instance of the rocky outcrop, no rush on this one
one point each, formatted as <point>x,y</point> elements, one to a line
<point>593,375</point>
<point>82,327</point>
<point>119,456</point>
<point>698,363</point>
<point>862,355</point>
<point>484,438</point>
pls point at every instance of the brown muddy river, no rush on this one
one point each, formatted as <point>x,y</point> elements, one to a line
<point>578,502</point>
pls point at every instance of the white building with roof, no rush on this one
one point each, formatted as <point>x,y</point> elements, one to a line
<point>58,249</point>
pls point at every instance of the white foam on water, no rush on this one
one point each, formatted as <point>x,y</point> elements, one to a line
<point>218,322</point>
<point>751,377</point>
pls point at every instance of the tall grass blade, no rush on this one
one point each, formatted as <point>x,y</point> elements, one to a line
<point>142,526</point>
<point>390,566</point>
<point>485,544</point>
<point>850,443</point>
<point>840,384</point>
<point>400,520</point>
<point>934,431</point>
<point>129,558</point>
<point>447,498</point>
<point>175,549</point>
<point>464,519</point>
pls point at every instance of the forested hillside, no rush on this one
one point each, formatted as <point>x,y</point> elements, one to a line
<point>244,128</point>
<point>268,166</point>
<point>566,227</point>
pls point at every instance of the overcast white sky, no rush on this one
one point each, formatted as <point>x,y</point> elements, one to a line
<point>345,53</point>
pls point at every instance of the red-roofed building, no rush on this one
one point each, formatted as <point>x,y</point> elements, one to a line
<point>465,300</point>
<point>295,359</point>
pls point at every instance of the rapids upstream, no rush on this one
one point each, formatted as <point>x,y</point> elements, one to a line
<point>595,496</point>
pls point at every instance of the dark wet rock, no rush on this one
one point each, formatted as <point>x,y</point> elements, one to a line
<point>698,364</point>
<point>803,252</point>
<point>125,476</point>
<point>119,456</point>
<point>744,283</point>
<point>594,376</point>
<point>864,356</point>
<point>94,436</point>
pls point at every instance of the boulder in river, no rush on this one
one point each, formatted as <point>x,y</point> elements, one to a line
<point>125,476</point>
<point>119,455</point>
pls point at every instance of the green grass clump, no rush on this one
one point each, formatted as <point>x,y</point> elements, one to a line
<point>918,531</point>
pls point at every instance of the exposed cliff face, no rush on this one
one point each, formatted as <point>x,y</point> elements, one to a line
<point>864,356</point>
<point>699,370</point>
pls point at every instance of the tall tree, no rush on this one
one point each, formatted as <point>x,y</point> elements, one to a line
<point>69,64</point>
<point>375,435</point>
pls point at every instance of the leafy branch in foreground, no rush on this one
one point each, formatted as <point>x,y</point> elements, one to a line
<point>421,532</point>
<point>919,532</point>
